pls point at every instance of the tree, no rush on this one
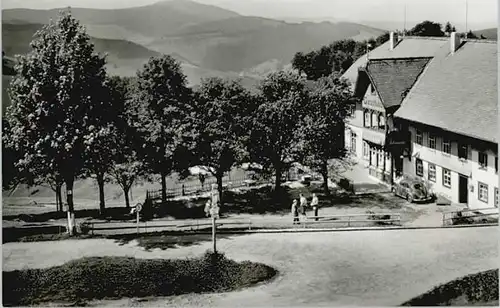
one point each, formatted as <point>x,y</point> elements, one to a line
<point>220,114</point>
<point>54,104</point>
<point>107,135</point>
<point>283,98</point>
<point>448,28</point>
<point>322,128</point>
<point>427,28</point>
<point>471,35</point>
<point>127,167</point>
<point>162,110</point>
<point>335,57</point>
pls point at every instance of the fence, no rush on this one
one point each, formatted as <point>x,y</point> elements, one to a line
<point>193,189</point>
<point>283,222</point>
<point>470,216</point>
<point>386,218</point>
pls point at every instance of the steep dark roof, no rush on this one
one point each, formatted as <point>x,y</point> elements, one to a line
<point>393,78</point>
<point>408,47</point>
<point>458,92</point>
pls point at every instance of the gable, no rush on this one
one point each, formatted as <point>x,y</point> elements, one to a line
<point>393,78</point>
<point>371,99</point>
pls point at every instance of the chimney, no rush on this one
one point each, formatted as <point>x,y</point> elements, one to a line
<point>454,42</point>
<point>393,39</point>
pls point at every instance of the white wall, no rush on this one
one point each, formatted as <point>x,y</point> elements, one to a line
<point>359,139</point>
<point>488,177</point>
<point>469,168</point>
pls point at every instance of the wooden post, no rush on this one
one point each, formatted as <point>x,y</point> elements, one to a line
<point>214,227</point>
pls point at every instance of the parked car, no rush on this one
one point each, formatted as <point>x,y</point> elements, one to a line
<point>411,190</point>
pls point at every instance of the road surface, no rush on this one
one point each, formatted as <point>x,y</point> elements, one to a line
<point>382,268</point>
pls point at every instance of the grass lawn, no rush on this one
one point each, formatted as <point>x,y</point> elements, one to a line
<point>479,289</point>
<point>117,277</point>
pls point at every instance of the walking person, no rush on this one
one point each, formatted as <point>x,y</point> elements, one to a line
<point>295,212</point>
<point>208,207</point>
<point>314,204</point>
<point>303,205</point>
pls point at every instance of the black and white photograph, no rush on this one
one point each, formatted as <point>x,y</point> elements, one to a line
<point>250,153</point>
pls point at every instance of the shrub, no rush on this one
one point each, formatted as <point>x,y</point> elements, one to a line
<point>117,277</point>
<point>85,227</point>
<point>477,288</point>
<point>376,217</point>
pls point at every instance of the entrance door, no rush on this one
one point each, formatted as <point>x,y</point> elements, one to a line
<point>463,189</point>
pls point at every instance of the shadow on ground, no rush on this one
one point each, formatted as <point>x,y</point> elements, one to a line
<point>168,240</point>
<point>264,200</point>
<point>112,213</point>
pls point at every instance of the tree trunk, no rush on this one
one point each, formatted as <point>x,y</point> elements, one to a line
<point>219,187</point>
<point>71,207</point>
<point>102,202</point>
<point>127,201</point>
<point>59,202</point>
<point>163,188</point>
<point>277,180</point>
<point>324,173</point>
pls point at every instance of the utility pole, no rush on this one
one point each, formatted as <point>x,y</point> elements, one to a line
<point>404,25</point>
<point>466,16</point>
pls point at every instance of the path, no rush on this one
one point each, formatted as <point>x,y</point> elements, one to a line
<point>383,268</point>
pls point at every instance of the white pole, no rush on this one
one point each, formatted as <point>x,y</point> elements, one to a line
<point>214,228</point>
<point>137,217</point>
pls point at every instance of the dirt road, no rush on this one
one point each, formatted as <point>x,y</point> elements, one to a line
<point>316,269</point>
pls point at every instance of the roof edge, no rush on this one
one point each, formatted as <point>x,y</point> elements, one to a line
<point>402,58</point>
<point>450,131</point>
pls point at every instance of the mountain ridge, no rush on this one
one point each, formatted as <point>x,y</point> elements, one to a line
<point>208,40</point>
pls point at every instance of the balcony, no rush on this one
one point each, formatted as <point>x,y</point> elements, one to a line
<point>376,136</point>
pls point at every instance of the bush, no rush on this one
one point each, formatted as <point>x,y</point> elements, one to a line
<point>117,277</point>
<point>85,228</point>
<point>374,216</point>
<point>480,288</point>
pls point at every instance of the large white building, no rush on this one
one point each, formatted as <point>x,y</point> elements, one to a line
<point>429,109</point>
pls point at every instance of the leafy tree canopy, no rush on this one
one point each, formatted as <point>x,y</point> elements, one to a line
<point>427,28</point>
<point>163,106</point>
<point>283,102</point>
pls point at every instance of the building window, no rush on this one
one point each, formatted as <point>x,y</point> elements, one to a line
<point>446,146</point>
<point>462,151</point>
<point>350,110</point>
<point>432,173</point>
<point>483,160</point>
<point>366,150</point>
<point>353,142</point>
<point>418,137</point>
<point>381,121</point>
<point>496,164</point>
<point>380,157</point>
<point>432,141</point>
<point>496,197</point>
<point>446,178</point>
<point>367,119</point>
<point>482,192</point>
<point>374,120</point>
<point>419,167</point>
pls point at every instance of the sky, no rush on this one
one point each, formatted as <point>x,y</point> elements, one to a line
<point>481,13</point>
